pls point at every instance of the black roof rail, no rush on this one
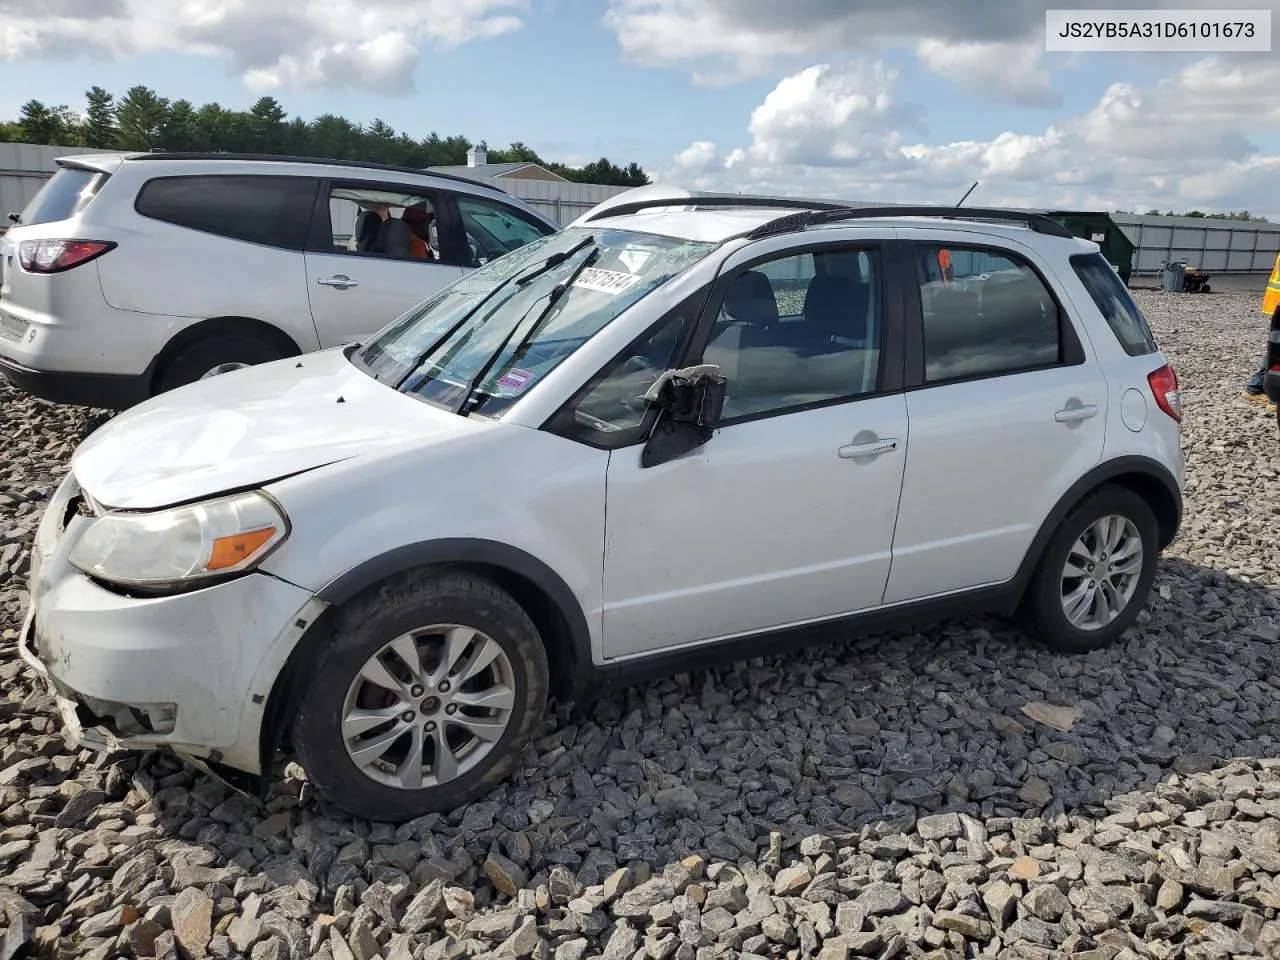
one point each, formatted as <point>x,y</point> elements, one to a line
<point>715,200</point>
<point>798,221</point>
<point>325,161</point>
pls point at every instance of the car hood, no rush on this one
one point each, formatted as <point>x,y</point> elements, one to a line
<point>250,427</point>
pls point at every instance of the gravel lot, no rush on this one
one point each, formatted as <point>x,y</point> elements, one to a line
<point>899,796</point>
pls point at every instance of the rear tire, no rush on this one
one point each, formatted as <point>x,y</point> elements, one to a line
<point>471,677</point>
<point>213,355</point>
<point>1111,540</point>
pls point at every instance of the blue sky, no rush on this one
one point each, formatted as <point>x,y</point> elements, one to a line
<point>577,79</point>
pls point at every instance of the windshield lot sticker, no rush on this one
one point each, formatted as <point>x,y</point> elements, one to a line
<point>515,379</point>
<point>606,281</point>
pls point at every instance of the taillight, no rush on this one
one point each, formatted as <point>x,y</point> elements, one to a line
<point>1164,385</point>
<point>54,256</point>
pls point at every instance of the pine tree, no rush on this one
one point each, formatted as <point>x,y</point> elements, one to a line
<point>142,117</point>
<point>99,127</point>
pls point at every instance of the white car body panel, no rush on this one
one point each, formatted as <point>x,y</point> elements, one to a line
<point>384,289</point>
<point>250,426</point>
<point>765,526</point>
<point>491,482</point>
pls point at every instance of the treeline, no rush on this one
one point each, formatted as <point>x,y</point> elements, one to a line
<point>143,120</point>
<point>1242,215</point>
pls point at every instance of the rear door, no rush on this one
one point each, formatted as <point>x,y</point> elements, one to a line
<point>1007,408</point>
<point>354,291</point>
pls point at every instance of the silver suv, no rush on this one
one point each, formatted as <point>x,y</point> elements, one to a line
<point>131,274</point>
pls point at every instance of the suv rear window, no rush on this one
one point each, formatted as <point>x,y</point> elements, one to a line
<point>64,195</point>
<point>275,211</point>
<point>1112,299</point>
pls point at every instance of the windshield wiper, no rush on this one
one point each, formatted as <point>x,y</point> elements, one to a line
<point>553,297</point>
<point>519,279</point>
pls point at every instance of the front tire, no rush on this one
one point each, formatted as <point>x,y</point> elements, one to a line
<point>1095,574</point>
<point>422,698</point>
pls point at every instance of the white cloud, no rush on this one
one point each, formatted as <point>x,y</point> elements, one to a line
<point>1001,72</point>
<point>843,117</point>
<point>726,40</point>
<point>1187,141</point>
<point>365,44</point>
<point>698,157</point>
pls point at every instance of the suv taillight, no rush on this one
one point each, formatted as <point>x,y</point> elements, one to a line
<point>1164,385</point>
<point>54,256</point>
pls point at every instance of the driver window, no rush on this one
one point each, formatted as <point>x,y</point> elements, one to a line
<point>492,229</point>
<point>799,330</point>
<point>614,403</point>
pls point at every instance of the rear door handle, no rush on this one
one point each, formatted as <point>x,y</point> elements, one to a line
<point>1075,414</point>
<point>875,448</point>
<point>341,281</point>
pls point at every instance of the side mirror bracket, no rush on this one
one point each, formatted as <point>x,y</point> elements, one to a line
<point>690,403</point>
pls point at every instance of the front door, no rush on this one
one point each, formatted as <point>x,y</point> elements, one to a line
<point>787,514</point>
<point>377,256</point>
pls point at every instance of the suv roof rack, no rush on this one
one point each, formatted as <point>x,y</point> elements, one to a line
<point>325,161</point>
<point>824,211</point>
<point>713,200</point>
<point>798,221</point>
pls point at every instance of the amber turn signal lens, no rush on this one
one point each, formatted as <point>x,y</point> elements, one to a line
<point>231,551</point>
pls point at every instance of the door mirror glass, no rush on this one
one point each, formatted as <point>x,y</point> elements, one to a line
<point>690,403</point>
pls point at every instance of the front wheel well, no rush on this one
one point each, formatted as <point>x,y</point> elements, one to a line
<point>565,666</point>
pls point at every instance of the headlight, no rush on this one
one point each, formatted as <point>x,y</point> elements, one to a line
<point>170,548</point>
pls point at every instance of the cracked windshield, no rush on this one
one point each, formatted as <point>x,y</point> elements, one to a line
<point>480,344</point>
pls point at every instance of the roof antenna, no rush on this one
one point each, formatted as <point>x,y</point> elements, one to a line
<point>966,194</point>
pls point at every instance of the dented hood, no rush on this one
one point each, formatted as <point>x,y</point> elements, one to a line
<point>250,427</point>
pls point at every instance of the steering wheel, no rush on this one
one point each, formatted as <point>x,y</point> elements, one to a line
<point>637,364</point>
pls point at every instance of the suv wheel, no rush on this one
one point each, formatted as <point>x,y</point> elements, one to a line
<point>212,356</point>
<point>422,698</point>
<point>1096,573</point>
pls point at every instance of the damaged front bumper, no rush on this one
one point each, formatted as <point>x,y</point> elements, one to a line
<point>187,673</point>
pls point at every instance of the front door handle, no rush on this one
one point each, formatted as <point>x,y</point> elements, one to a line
<point>341,281</point>
<point>875,448</point>
<point>1075,414</point>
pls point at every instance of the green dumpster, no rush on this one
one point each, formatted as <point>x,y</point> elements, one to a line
<point>1102,230</point>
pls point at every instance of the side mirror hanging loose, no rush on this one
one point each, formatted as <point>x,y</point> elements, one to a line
<point>691,402</point>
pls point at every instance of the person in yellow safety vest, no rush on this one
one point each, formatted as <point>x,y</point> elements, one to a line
<point>1270,307</point>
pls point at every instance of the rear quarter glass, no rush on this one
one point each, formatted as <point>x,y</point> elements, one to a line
<point>64,195</point>
<point>1111,297</point>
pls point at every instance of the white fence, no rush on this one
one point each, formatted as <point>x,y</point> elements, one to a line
<point>562,201</point>
<point>1218,246</point>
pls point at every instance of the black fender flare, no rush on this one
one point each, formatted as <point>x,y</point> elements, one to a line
<point>1151,474</point>
<point>542,591</point>
<point>493,555</point>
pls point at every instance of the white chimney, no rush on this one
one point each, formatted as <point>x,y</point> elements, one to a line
<point>477,157</point>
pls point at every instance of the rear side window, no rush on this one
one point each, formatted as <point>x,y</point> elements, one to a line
<point>1112,299</point>
<point>64,195</point>
<point>274,211</point>
<point>986,314</point>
